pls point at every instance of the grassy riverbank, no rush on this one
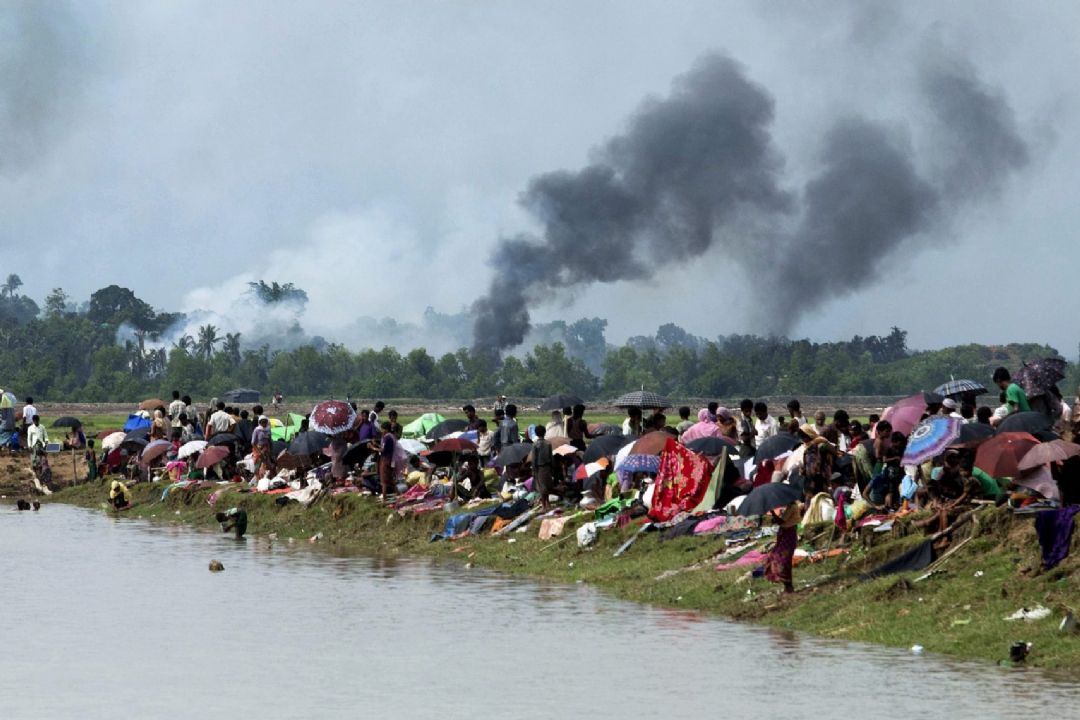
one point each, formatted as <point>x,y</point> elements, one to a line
<point>957,612</point>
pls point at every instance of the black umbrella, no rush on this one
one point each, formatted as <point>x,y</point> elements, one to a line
<point>769,496</point>
<point>446,427</point>
<point>1030,422</point>
<point>308,443</point>
<point>138,434</point>
<point>598,429</point>
<point>134,445</point>
<point>277,447</point>
<point>67,421</point>
<point>932,398</point>
<point>356,454</point>
<point>710,445</point>
<point>642,399</point>
<point>606,445</point>
<point>513,454</point>
<point>1046,435</point>
<point>225,439</point>
<point>558,402</point>
<point>971,434</point>
<point>776,446</point>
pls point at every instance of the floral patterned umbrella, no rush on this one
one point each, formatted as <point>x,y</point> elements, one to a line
<point>1037,376</point>
<point>332,417</point>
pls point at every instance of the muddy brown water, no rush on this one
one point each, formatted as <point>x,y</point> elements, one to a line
<point>111,617</point>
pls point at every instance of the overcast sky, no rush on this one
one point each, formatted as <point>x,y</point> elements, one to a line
<point>373,153</point>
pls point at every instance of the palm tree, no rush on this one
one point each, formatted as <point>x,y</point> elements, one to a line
<point>11,285</point>
<point>231,347</point>
<point>185,343</point>
<point>208,340</point>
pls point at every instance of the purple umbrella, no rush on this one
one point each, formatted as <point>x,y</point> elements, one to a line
<point>930,438</point>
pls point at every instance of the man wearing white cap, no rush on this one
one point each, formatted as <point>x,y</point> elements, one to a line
<point>948,407</point>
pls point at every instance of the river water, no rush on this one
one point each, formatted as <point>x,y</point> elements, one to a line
<point>118,618</point>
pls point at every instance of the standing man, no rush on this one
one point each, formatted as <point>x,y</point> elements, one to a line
<point>175,408</point>
<point>28,413</point>
<point>1015,397</point>
<point>500,403</point>
<point>795,409</point>
<point>509,434</point>
<point>470,417</point>
<point>542,458</point>
<point>219,422</point>
<point>37,439</point>
<point>765,425</point>
<point>373,416</point>
<point>746,416</point>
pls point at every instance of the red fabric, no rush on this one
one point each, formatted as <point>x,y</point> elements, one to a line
<point>841,519</point>
<point>681,482</point>
<point>764,473</point>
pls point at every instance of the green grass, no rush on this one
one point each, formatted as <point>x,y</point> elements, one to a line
<point>93,424</point>
<point>954,613</point>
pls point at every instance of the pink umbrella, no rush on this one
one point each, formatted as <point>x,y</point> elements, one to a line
<point>905,413</point>
<point>212,456</point>
<point>700,430</point>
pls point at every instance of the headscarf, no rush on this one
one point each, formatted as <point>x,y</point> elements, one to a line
<point>703,416</point>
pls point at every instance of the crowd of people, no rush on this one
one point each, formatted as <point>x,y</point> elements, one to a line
<point>703,465</point>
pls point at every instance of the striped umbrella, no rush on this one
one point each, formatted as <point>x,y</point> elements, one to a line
<point>930,438</point>
<point>960,387</point>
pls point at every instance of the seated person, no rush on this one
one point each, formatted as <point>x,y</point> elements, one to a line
<point>76,439</point>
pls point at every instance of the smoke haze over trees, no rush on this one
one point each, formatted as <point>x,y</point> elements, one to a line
<point>111,348</point>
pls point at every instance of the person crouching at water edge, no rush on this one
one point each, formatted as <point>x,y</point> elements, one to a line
<point>119,495</point>
<point>233,519</point>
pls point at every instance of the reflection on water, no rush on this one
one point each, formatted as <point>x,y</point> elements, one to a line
<point>114,617</point>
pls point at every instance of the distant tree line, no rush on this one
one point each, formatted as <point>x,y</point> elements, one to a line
<point>66,352</point>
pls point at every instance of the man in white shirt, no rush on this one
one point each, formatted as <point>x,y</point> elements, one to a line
<point>37,437</point>
<point>28,413</point>
<point>220,421</point>
<point>175,408</point>
<point>765,425</point>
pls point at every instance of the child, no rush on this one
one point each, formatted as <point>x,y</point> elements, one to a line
<point>91,462</point>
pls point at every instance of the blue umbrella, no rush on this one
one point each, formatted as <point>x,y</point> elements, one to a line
<point>930,438</point>
<point>640,463</point>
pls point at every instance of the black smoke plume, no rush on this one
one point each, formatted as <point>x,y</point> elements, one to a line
<point>699,169</point>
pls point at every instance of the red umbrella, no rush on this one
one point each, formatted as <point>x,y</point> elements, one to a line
<point>212,456</point>
<point>1000,455</point>
<point>454,445</point>
<point>1048,452</point>
<point>152,404</point>
<point>106,433</point>
<point>332,417</point>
